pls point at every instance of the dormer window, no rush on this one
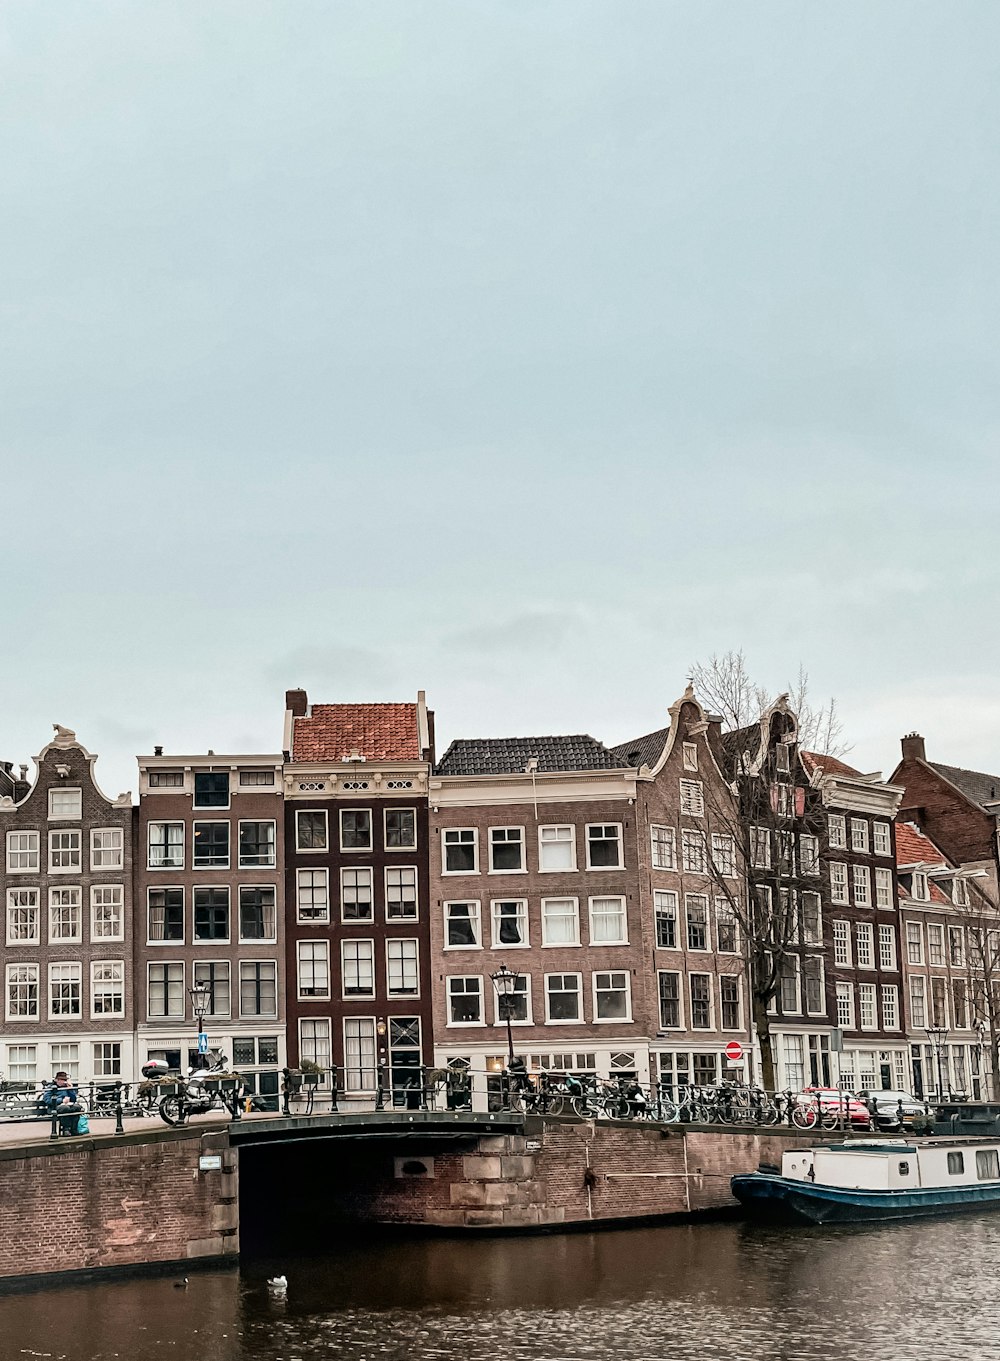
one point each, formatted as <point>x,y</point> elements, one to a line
<point>920,890</point>
<point>960,893</point>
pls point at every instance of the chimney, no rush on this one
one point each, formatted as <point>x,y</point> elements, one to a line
<point>157,751</point>
<point>297,701</point>
<point>913,747</point>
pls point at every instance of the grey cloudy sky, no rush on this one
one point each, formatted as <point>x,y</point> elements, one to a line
<point>522,352</point>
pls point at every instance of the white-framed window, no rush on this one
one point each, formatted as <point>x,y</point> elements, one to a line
<point>510,922</point>
<point>727,931</point>
<point>724,855</point>
<point>700,1000</point>
<point>886,948</point>
<point>760,848</point>
<point>22,1062</point>
<point>604,846</point>
<point>22,852</point>
<point>65,805</point>
<point>257,844</point>
<point>859,836</point>
<point>812,918</point>
<point>563,993</point>
<point>959,1004</point>
<point>882,838</point>
<point>557,848</point>
<point>259,988</point>
<point>106,848</point>
<point>956,947</point>
<point>165,779</point>
<point>402,964</point>
<point>211,913</point>
<point>462,926</point>
<point>215,975</point>
<point>65,914</point>
<point>357,962</point>
<point>864,947</point>
<point>730,1013</point>
<point>165,991</point>
<point>23,924</point>
<point>107,912</point>
<point>890,1005</point>
<point>355,829</point>
<point>693,856</point>
<point>862,878</point>
<point>696,921</point>
<point>789,991</point>
<point>812,976</point>
<point>782,757</point>
<point>960,893</point>
<point>399,828</point>
<point>210,846</point>
<point>842,944</point>
<point>65,985</point>
<point>808,854</point>
<point>507,850</point>
<point>918,1002</point>
<point>107,987</point>
<point>401,893</point>
<point>920,889</point>
<point>312,895</point>
<point>107,1058</point>
<point>356,895</point>
<point>939,1001</point>
<point>560,921</point>
<point>692,798</point>
<point>312,832</point>
<point>211,789</point>
<point>461,850</point>
<point>360,1064</point>
<point>664,847</point>
<point>314,1042</point>
<point>165,915</point>
<point>883,888</point>
<point>519,1002</point>
<point>465,1000</point>
<point>935,943</point>
<point>165,846</point>
<point>837,831</point>
<point>670,1000</point>
<point>608,924</point>
<point>665,905</point>
<point>66,1058</point>
<point>612,996</point>
<point>258,912</point>
<point>65,854</point>
<point>256,779</point>
<point>914,943</point>
<point>22,992</point>
<point>690,755</point>
<point>838,882</point>
<point>845,1006</point>
<point>867,1006</point>
<point>313,969</point>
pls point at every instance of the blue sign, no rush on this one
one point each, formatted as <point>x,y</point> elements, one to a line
<point>203,1043</point>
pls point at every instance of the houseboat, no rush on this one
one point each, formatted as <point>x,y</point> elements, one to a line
<point>863,1180</point>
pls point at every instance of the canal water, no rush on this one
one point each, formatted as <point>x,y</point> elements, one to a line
<point>899,1293</point>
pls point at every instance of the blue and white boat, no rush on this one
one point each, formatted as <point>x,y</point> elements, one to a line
<point>865,1179</point>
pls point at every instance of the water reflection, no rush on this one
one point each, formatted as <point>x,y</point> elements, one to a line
<point>901,1292</point>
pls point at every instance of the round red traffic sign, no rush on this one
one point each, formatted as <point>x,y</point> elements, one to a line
<point>734,1051</point>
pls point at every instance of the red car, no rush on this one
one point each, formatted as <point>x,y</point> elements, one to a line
<point>827,1106</point>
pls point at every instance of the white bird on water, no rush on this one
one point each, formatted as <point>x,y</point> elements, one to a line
<point>278,1286</point>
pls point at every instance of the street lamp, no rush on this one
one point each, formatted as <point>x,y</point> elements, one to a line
<point>505,981</point>
<point>201,1005</point>
<point>938,1036</point>
<point>380,1029</point>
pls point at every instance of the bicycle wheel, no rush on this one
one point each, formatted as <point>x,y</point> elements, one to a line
<point>173,1110</point>
<point>669,1112</point>
<point>554,1106</point>
<point>805,1117</point>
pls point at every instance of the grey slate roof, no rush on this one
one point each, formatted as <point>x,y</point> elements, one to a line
<point>642,751</point>
<point>974,784</point>
<point>510,755</point>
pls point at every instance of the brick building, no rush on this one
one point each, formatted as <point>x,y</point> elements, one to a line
<point>534,864</point>
<point>209,903</point>
<point>67,892</point>
<point>359,985</point>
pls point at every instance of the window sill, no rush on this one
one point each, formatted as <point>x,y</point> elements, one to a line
<point>503,873</point>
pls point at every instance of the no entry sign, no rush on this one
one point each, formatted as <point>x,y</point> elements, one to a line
<point>734,1051</point>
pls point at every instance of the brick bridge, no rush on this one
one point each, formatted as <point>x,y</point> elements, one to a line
<point>157,1197</point>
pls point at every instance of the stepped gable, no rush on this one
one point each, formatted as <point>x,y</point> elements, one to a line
<point>378,732</point>
<point>510,755</point>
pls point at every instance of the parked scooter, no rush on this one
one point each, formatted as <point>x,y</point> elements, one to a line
<point>195,1098</point>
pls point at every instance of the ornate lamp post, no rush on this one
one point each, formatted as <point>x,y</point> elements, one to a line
<point>381,1030</point>
<point>938,1036</point>
<point>505,981</point>
<point>201,1005</point>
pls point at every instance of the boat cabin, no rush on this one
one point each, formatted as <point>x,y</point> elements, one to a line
<point>894,1165</point>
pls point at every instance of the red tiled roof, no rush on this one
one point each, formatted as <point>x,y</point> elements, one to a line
<point>379,732</point>
<point>828,764</point>
<point>913,848</point>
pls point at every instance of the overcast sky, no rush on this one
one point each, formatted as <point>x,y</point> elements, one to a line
<point>523,352</point>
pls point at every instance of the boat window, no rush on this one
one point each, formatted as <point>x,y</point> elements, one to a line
<point>904,1169</point>
<point>956,1163</point>
<point>987,1164</point>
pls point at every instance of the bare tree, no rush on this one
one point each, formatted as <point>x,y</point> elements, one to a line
<point>725,686</point>
<point>981,921</point>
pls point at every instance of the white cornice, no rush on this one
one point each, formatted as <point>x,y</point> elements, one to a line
<point>465,791</point>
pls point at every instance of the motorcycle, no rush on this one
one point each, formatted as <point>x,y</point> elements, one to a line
<point>195,1098</point>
